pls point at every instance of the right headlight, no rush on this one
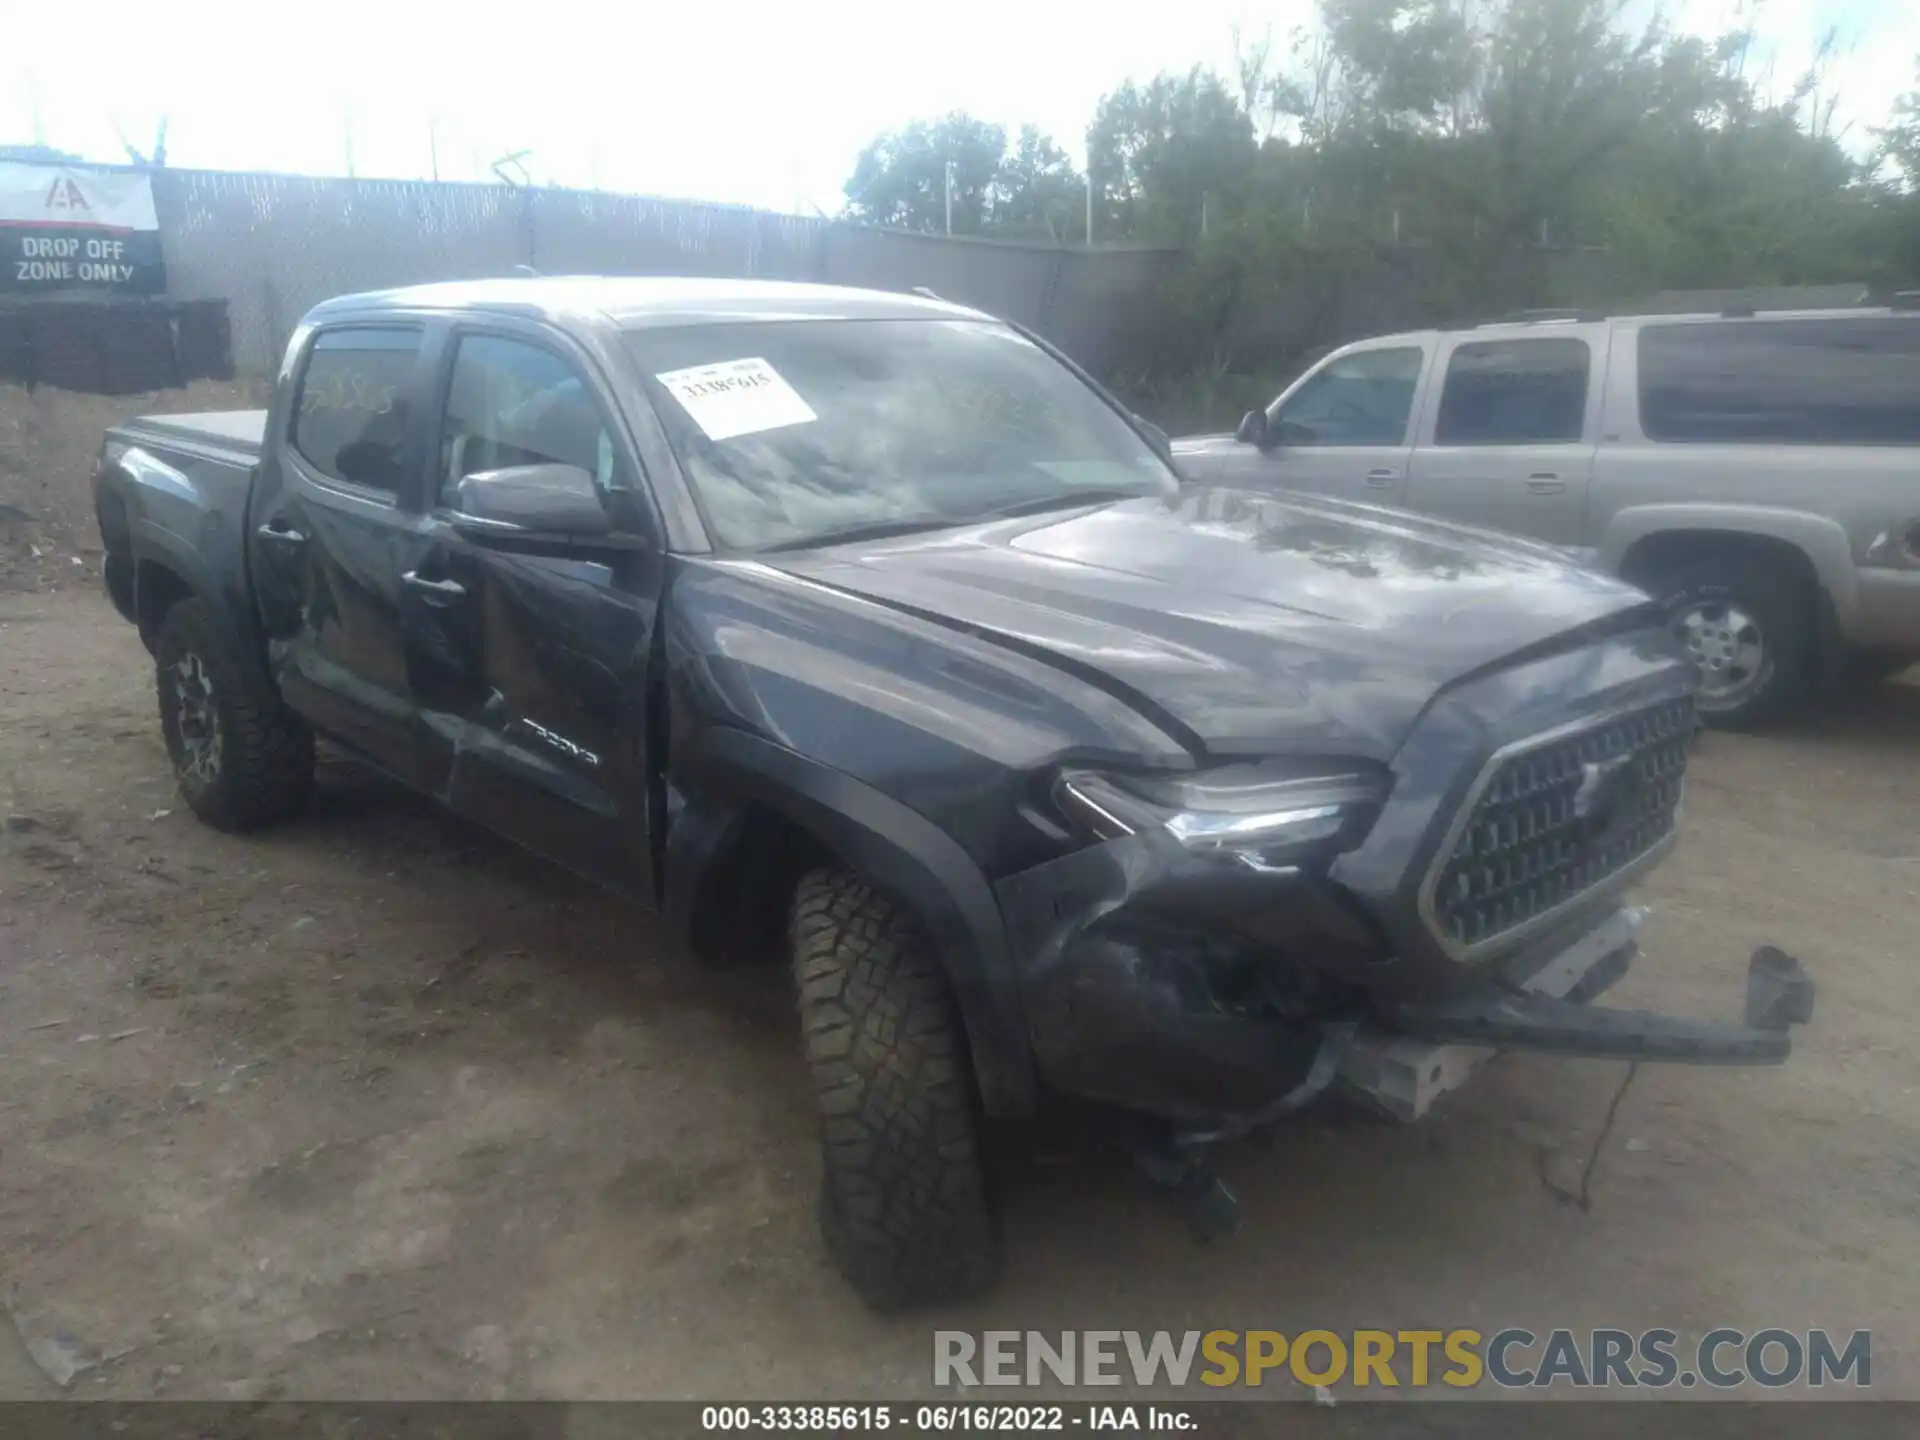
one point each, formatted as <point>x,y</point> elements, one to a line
<point>1273,816</point>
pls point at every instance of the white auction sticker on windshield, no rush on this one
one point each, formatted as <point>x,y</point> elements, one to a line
<point>737,397</point>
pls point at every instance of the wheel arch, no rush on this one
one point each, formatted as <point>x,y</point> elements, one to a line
<point>730,784</point>
<point>1657,549</point>
<point>166,570</point>
<point>1817,547</point>
<point>157,588</point>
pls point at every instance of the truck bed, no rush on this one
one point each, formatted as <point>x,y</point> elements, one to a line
<point>238,432</point>
<point>180,483</point>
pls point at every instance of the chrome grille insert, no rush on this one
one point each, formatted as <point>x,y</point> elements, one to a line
<point>1555,817</point>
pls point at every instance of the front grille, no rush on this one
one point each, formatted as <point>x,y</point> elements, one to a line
<point>1553,819</point>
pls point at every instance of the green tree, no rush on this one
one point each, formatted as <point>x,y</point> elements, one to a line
<point>901,178</point>
<point>1900,140</point>
<point>1028,188</point>
<point>1397,64</point>
<point>1168,156</point>
<point>1896,220</point>
<point>1036,191</point>
<point>1413,162</point>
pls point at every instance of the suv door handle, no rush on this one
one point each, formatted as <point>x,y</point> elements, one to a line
<point>437,592</point>
<point>1545,482</point>
<point>1379,478</point>
<point>277,534</point>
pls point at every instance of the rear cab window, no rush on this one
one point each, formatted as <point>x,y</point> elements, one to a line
<point>1840,381</point>
<point>351,414</point>
<point>1515,392</point>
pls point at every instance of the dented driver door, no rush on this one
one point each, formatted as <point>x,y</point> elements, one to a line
<point>531,660</point>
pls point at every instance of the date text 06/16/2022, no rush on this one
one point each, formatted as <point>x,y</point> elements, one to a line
<point>945,1417</point>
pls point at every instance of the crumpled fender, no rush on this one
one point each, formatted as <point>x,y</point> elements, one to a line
<point>1120,947</point>
<point>894,847</point>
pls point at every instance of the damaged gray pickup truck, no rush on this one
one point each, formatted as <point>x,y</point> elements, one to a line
<point>866,631</point>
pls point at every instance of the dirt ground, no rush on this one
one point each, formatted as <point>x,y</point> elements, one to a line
<point>373,1106</point>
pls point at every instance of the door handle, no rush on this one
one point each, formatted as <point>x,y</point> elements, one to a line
<point>275,534</point>
<point>437,592</point>
<point>1379,478</point>
<point>1545,482</point>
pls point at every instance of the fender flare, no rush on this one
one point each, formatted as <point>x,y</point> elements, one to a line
<point>154,544</point>
<point>894,847</point>
<point>1823,541</point>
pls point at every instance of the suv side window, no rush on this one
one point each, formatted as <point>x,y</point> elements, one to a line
<point>512,403</point>
<point>1515,392</point>
<point>1360,399</point>
<point>350,417</point>
<point>1850,381</point>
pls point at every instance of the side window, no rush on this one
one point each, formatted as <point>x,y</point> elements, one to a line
<point>1810,382</point>
<point>1515,392</point>
<point>512,403</point>
<point>1360,399</point>
<point>350,421</point>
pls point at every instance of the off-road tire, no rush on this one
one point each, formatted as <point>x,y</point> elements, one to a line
<point>903,1197</point>
<point>264,770</point>
<point>1775,597</point>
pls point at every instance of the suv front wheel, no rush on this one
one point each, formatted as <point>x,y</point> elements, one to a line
<point>903,1197</point>
<point>1748,625</point>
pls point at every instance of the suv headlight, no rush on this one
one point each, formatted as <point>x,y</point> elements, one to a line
<point>1273,816</point>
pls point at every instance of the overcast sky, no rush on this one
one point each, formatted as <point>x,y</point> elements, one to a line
<point>733,100</point>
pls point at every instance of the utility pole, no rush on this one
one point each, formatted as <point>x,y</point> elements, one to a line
<point>949,187</point>
<point>346,134</point>
<point>433,147</point>
<point>1089,207</point>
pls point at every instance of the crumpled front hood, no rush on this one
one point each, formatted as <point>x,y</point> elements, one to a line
<point>1244,621</point>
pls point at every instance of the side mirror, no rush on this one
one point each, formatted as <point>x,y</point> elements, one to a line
<point>547,499</point>
<point>1253,430</point>
<point>1161,442</point>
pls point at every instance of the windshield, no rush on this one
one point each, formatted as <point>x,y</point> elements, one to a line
<point>803,430</point>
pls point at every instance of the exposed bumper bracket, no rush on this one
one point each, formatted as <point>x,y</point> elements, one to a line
<point>1779,995</point>
<point>1779,990</point>
<point>1432,1050</point>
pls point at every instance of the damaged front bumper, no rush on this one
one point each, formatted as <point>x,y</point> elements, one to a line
<point>1220,1000</point>
<point>1419,1053</point>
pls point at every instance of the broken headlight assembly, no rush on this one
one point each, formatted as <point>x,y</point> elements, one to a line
<point>1271,816</point>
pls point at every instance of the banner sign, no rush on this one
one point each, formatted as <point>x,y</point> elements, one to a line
<point>66,228</point>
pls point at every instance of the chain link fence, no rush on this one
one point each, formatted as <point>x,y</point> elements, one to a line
<point>272,246</point>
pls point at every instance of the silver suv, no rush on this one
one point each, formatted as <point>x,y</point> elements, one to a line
<point>1760,473</point>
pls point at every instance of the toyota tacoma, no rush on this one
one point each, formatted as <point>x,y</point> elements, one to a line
<point>868,631</point>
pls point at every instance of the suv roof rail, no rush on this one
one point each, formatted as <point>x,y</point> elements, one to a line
<point>1530,317</point>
